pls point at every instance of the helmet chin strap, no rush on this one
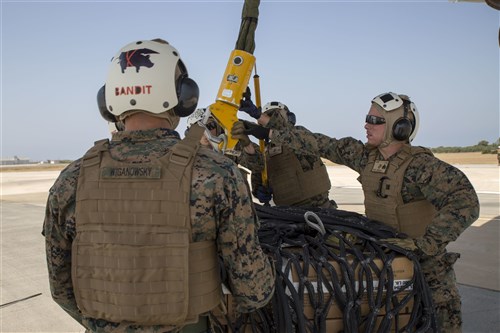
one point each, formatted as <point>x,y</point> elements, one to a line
<point>384,144</point>
<point>388,138</point>
<point>389,149</point>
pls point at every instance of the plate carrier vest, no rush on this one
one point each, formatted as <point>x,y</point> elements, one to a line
<point>382,191</point>
<point>291,185</point>
<point>133,259</point>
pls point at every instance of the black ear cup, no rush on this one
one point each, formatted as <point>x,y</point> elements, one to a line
<point>187,94</point>
<point>103,109</point>
<point>291,118</point>
<point>403,127</point>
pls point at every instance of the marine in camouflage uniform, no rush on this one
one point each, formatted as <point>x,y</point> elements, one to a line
<point>307,160</point>
<point>220,210</point>
<point>426,178</point>
<point>213,130</point>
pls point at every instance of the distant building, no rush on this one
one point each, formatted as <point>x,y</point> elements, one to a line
<point>14,160</point>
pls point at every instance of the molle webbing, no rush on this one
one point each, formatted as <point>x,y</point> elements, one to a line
<point>292,185</point>
<point>133,259</point>
<point>383,200</point>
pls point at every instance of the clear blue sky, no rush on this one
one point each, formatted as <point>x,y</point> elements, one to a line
<point>324,59</point>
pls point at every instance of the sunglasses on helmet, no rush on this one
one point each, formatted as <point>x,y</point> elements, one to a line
<point>374,120</point>
<point>388,101</point>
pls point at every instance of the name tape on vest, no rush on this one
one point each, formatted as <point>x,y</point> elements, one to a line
<point>131,172</point>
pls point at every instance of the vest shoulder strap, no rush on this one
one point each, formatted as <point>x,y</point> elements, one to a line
<point>415,150</point>
<point>184,151</point>
<point>93,155</point>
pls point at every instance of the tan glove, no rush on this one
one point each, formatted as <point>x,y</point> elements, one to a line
<point>406,243</point>
<point>238,132</point>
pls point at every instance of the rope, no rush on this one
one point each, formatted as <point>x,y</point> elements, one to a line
<point>334,260</point>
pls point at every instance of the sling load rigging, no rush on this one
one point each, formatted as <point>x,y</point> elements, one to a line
<point>325,260</point>
<point>334,274</point>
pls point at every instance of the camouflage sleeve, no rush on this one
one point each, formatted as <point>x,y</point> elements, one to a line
<point>299,139</point>
<point>254,162</point>
<point>250,274</point>
<point>453,196</point>
<point>58,229</point>
<point>257,181</point>
<point>346,151</point>
<point>222,195</point>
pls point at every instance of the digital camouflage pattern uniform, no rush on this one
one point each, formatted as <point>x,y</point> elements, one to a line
<point>441,184</point>
<point>221,210</point>
<point>307,159</point>
<point>247,160</point>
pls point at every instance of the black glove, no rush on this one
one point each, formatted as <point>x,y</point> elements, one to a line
<point>247,106</point>
<point>238,132</point>
<point>263,193</point>
<point>261,133</point>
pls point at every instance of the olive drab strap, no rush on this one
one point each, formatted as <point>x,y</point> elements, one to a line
<point>290,183</point>
<point>132,258</point>
<point>382,183</point>
<point>184,151</point>
<point>93,155</point>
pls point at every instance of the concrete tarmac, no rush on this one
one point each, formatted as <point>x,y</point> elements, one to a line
<point>26,304</point>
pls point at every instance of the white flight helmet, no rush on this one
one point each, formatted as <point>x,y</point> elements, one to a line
<point>148,76</point>
<point>283,109</point>
<point>274,105</point>
<point>397,110</point>
<point>416,121</point>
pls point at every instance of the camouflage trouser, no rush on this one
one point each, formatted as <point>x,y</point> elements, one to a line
<point>440,276</point>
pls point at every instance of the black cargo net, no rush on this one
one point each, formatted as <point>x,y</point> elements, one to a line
<point>333,274</point>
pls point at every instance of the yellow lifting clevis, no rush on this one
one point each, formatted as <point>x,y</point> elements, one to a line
<point>236,77</point>
<point>233,86</point>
